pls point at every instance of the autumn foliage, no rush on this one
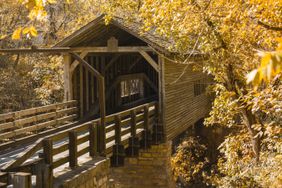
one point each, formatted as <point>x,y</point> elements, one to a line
<point>241,41</point>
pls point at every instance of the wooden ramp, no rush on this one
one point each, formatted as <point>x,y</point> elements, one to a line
<point>51,156</point>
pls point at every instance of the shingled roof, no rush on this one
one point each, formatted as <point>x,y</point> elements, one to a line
<point>97,28</point>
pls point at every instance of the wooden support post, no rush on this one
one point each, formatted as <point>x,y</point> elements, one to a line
<point>73,149</point>
<point>67,78</point>
<point>146,135</point>
<point>93,141</point>
<point>118,150</point>
<point>22,180</point>
<point>3,185</point>
<point>87,90</point>
<point>133,149</point>
<point>102,104</point>
<point>38,170</point>
<point>158,136</point>
<point>117,129</point>
<point>48,159</point>
<point>81,99</point>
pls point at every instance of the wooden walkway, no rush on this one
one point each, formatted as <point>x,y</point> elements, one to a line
<point>49,157</point>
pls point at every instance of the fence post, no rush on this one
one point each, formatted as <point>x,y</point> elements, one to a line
<point>157,127</point>
<point>48,159</point>
<point>146,134</point>
<point>38,170</point>
<point>73,149</point>
<point>101,139</point>
<point>22,180</point>
<point>93,141</point>
<point>118,149</point>
<point>133,149</point>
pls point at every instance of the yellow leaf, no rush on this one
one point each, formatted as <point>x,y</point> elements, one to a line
<point>17,34</point>
<point>3,36</point>
<point>33,31</point>
<point>251,76</point>
<point>25,31</point>
<point>52,1</point>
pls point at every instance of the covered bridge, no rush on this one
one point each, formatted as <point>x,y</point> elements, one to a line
<point>125,69</point>
<point>123,92</point>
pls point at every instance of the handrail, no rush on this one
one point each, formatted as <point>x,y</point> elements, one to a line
<point>17,124</point>
<point>68,145</point>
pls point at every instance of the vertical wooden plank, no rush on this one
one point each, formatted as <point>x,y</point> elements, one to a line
<point>73,149</point>
<point>74,81</point>
<point>48,159</point>
<point>48,151</point>
<point>146,118</point>
<point>93,141</point>
<point>87,90</point>
<point>22,180</point>
<point>37,170</point>
<point>67,78</point>
<point>117,129</point>
<point>133,123</point>
<point>81,90</point>
<point>92,82</point>
<point>161,104</point>
<point>102,104</point>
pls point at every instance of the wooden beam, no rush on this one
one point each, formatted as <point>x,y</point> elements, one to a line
<point>86,65</point>
<point>87,90</point>
<point>56,50</point>
<point>75,63</point>
<point>161,105</point>
<point>149,60</point>
<point>121,49</point>
<point>101,90</point>
<point>67,79</point>
<point>81,91</point>
<point>112,61</point>
<point>134,63</point>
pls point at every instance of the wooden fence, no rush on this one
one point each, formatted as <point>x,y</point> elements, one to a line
<point>16,125</point>
<point>66,148</point>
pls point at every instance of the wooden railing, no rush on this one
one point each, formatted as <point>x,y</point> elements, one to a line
<point>19,124</point>
<point>122,130</point>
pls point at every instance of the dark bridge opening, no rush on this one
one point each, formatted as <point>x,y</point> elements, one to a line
<point>129,81</point>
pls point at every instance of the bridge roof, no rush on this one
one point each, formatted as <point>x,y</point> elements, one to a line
<point>98,30</point>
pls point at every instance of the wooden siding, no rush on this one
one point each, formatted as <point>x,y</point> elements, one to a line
<point>182,108</point>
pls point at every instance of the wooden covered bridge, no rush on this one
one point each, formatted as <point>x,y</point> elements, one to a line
<point>121,93</point>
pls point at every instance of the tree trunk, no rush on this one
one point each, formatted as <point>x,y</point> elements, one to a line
<point>249,120</point>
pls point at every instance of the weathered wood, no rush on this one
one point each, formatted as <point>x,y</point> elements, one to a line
<point>76,62</point>
<point>81,91</point>
<point>120,49</point>
<point>149,60</point>
<point>112,44</point>
<point>67,78</point>
<point>73,149</point>
<point>48,151</point>
<point>22,157</point>
<point>133,123</point>
<point>48,159</point>
<point>55,50</point>
<point>22,180</point>
<point>93,140</point>
<point>117,129</point>
<point>113,60</point>
<point>87,90</point>
<point>102,113</point>
<point>181,107</point>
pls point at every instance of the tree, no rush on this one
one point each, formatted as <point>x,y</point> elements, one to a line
<point>230,34</point>
<point>35,79</point>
